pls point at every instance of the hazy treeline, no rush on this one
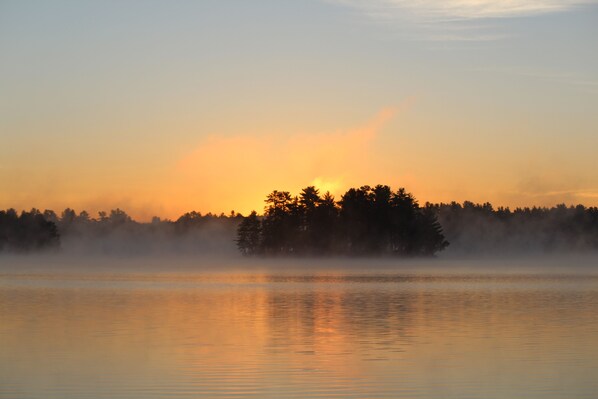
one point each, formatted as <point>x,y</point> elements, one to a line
<point>27,231</point>
<point>115,232</point>
<point>365,221</point>
<point>481,229</point>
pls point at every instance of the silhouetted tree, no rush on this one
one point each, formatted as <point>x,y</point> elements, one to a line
<point>405,235</point>
<point>249,238</point>
<point>281,223</point>
<point>67,218</point>
<point>50,216</point>
<point>324,226</point>
<point>309,201</point>
<point>430,235</point>
<point>118,217</point>
<point>366,221</point>
<point>355,212</point>
<point>83,217</point>
<point>189,220</point>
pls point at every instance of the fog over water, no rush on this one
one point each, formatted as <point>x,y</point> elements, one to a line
<point>229,261</point>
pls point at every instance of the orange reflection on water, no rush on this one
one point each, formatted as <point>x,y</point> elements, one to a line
<point>299,336</point>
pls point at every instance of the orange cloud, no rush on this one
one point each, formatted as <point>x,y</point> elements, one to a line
<point>238,171</point>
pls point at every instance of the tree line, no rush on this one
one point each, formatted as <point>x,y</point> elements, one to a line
<point>27,231</point>
<point>365,221</point>
<point>113,232</point>
<point>481,229</point>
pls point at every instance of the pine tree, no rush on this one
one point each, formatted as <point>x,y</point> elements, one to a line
<point>249,235</point>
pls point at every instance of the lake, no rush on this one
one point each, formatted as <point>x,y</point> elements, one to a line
<point>324,331</point>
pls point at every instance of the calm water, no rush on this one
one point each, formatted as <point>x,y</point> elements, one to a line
<point>341,334</point>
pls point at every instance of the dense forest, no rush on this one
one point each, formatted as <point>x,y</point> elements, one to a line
<point>27,231</point>
<point>481,229</point>
<point>365,221</point>
<point>378,221</point>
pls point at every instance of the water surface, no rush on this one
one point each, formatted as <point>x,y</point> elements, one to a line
<point>354,333</point>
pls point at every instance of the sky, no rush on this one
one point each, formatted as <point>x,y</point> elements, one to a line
<point>160,107</point>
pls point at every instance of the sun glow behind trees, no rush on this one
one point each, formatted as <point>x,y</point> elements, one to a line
<point>366,221</point>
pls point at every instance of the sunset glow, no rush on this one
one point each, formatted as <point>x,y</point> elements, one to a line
<point>456,101</point>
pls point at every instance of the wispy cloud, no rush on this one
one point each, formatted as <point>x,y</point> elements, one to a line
<point>457,20</point>
<point>428,10</point>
